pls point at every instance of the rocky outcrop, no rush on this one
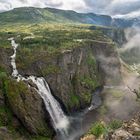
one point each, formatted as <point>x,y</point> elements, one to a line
<point>5,60</point>
<point>28,107</point>
<point>5,134</point>
<point>108,62</point>
<point>129,131</point>
<point>89,137</point>
<point>116,34</point>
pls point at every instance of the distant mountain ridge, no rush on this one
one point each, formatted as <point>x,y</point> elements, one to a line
<point>38,15</point>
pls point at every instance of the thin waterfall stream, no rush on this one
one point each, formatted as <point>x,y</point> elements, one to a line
<point>67,128</point>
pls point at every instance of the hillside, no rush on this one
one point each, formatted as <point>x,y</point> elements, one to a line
<point>51,15</point>
<point>35,15</point>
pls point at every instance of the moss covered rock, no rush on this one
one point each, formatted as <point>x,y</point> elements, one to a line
<point>28,106</point>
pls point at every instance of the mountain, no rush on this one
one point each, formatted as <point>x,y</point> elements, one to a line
<point>126,22</point>
<point>35,15</point>
<point>49,15</point>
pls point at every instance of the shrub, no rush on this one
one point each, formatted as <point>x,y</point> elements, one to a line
<point>98,129</point>
<point>74,100</point>
<point>115,124</point>
<point>3,75</point>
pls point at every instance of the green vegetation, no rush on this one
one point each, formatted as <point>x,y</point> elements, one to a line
<point>87,97</point>
<point>40,138</point>
<point>115,124</point>
<point>14,92</point>
<point>3,75</point>
<point>45,41</point>
<point>4,43</point>
<point>116,93</point>
<point>131,56</point>
<point>89,82</point>
<point>50,35</point>
<point>103,110</point>
<point>73,101</point>
<point>50,69</point>
<point>6,117</point>
<point>100,128</point>
<point>91,60</point>
<point>50,15</point>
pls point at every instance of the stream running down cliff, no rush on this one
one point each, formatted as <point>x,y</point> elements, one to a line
<point>60,121</point>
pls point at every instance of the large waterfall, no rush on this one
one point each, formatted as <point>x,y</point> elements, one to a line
<point>59,120</point>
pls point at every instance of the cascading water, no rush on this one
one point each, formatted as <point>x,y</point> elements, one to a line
<point>59,120</point>
<point>13,58</point>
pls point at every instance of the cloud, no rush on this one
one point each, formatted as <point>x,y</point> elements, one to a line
<point>132,14</point>
<point>110,7</point>
<point>54,3</point>
<point>10,4</point>
<point>113,7</point>
<point>123,6</point>
<point>62,4</point>
<point>133,37</point>
<point>5,6</point>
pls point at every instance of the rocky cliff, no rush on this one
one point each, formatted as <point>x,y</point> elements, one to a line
<point>116,34</point>
<point>73,74</point>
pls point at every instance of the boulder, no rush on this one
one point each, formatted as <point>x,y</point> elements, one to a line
<point>89,137</point>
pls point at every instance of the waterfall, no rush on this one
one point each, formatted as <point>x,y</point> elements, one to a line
<point>13,57</point>
<point>60,121</point>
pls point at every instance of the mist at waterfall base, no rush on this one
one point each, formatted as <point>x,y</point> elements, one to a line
<point>66,127</point>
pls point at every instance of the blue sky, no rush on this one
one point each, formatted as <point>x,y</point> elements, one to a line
<point>119,8</point>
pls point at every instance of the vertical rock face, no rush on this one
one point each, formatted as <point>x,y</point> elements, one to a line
<point>116,34</point>
<point>109,65</point>
<point>28,106</point>
<point>4,60</point>
<point>77,78</point>
<point>72,76</point>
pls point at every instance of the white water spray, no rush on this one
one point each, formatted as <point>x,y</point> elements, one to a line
<point>59,120</point>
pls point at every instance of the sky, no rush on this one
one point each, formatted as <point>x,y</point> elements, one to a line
<point>117,8</point>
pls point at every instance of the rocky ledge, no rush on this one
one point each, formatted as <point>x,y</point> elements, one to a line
<point>130,130</point>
